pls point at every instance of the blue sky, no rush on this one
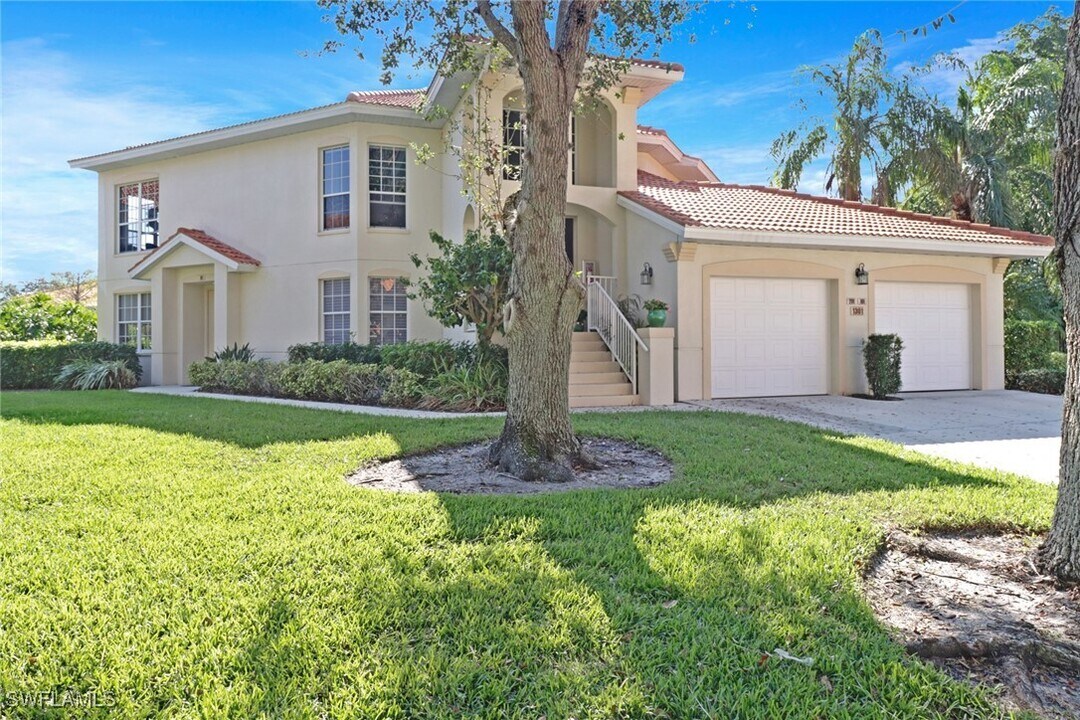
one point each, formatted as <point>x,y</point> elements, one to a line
<point>87,77</point>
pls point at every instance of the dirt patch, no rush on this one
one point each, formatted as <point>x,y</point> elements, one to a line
<point>466,470</point>
<point>976,606</point>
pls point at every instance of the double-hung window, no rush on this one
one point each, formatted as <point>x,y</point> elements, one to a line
<point>388,311</point>
<point>335,187</point>
<point>137,216</point>
<point>133,320</point>
<point>336,320</point>
<point>386,186</point>
<point>513,143</point>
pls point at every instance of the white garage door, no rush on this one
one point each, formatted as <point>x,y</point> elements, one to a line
<point>934,322</point>
<point>769,337</point>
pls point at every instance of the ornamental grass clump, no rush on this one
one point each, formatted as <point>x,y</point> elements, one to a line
<point>881,358</point>
<point>85,374</point>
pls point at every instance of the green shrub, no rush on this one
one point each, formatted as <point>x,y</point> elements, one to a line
<point>353,352</point>
<point>235,376</point>
<point>237,352</point>
<point>35,365</point>
<point>84,374</point>
<point>428,359</point>
<point>316,380</point>
<point>1028,344</point>
<point>40,317</point>
<point>1049,381</point>
<point>881,358</point>
<point>1058,360</point>
<point>402,388</point>
<point>473,388</point>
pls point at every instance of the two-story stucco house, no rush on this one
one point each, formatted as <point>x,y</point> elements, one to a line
<point>297,228</point>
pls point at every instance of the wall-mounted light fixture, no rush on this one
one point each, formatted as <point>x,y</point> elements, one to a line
<point>862,277</point>
<point>646,274</point>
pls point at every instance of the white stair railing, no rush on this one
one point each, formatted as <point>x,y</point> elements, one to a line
<point>612,326</point>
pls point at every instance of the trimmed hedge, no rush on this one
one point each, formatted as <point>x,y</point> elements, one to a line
<point>1049,381</point>
<point>35,365</point>
<point>1028,346</point>
<point>336,381</point>
<point>353,352</point>
<point>881,358</point>
<point>426,359</point>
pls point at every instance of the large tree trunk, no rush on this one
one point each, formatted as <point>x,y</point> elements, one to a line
<point>537,441</point>
<point>1060,554</point>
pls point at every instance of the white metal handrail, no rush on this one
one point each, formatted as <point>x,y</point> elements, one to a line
<point>612,326</point>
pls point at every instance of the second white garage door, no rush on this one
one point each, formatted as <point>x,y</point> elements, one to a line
<point>934,322</point>
<point>769,337</point>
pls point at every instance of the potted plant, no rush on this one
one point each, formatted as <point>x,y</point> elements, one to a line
<point>657,310</point>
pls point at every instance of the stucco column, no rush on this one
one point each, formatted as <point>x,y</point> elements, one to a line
<point>158,338</point>
<point>221,306</point>
<point>993,324</point>
<point>656,368</point>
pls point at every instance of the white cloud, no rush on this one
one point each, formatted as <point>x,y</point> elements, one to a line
<point>944,81</point>
<point>53,111</point>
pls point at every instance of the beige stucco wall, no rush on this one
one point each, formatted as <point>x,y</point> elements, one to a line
<point>686,279</point>
<point>263,198</point>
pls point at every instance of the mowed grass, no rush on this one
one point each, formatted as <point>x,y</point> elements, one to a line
<point>199,558</point>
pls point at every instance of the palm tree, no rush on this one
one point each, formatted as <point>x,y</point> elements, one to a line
<point>866,125</point>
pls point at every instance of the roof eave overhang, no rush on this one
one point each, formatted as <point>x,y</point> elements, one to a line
<point>141,269</point>
<point>865,243</point>
<point>315,119</point>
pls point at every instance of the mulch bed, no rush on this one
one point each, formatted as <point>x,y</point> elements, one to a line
<point>976,606</point>
<point>466,469</point>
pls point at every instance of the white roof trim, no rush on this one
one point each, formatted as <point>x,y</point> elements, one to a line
<point>301,121</point>
<point>871,243</point>
<point>139,270</point>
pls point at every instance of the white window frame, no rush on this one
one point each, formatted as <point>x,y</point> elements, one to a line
<point>346,193</point>
<point>395,196</point>
<point>374,339</point>
<point>331,284</point>
<point>144,227</point>
<point>143,330</point>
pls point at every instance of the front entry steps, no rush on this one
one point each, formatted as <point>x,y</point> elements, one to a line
<point>596,380</point>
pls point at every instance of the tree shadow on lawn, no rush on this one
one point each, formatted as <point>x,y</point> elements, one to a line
<point>756,545</point>
<point>563,603</point>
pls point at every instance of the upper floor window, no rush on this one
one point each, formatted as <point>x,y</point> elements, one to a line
<point>386,186</point>
<point>335,187</point>
<point>513,143</point>
<point>388,311</point>
<point>336,319</point>
<point>137,216</point>
<point>133,320</point>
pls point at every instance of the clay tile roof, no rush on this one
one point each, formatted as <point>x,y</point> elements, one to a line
<point>650,130</point>
<point>207,241</point>
<point>659,64</point>
<point>410,99</point>
<point>767,209</point>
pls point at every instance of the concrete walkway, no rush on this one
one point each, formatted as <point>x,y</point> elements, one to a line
<point>191,391</point>
<point>1002,429</point>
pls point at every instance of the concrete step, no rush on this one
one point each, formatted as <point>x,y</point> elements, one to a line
<point>591,335</point>
<point>597,378</point>
<point>581,368</point>
<point>589,357</point>
<point>598,401</point>
<point>588,346</point>
<point>609,389</point>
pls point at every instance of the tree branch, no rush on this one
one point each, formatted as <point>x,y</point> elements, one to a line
<point>499,31</point>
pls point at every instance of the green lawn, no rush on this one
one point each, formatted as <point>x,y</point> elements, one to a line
<point>199,558</point>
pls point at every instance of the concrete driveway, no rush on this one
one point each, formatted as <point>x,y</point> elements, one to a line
<point>1003,429</point>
